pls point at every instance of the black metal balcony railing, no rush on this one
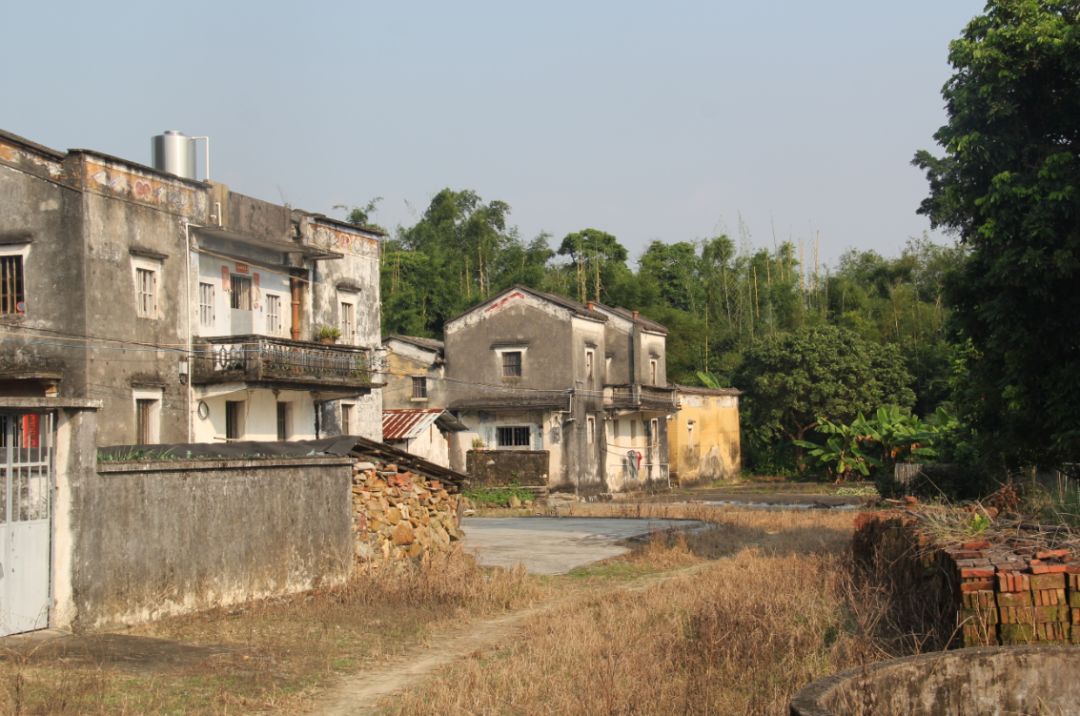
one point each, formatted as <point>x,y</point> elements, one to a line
<point>263,359</point>
<point>637,395</point>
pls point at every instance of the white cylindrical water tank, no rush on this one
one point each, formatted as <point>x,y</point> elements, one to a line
<point>174,152</point>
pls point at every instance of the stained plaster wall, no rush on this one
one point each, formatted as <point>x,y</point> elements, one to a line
<point>39,219</point>
<point>154,539</point>
<point>711,450</point>
<point>404,361</point>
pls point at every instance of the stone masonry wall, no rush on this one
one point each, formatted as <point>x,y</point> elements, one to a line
<point>1002,591</point>
<point>398,514</point>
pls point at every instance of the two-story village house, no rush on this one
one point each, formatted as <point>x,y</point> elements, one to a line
<point>584,385</point>
<point>191,312</point>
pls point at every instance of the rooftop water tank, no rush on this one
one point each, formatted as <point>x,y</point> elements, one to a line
<point>174,152</point>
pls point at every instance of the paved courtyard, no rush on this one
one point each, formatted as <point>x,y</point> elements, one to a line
<point>554,545</point>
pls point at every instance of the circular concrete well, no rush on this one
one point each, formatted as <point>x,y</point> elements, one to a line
<point>983,680</point>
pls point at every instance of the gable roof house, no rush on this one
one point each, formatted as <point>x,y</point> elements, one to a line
<point>191,312</point>
<point>580,390</point>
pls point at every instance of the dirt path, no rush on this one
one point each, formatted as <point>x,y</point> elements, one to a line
<point>360,693</point>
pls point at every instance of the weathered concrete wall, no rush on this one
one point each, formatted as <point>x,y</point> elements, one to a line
<point>507,467</point>
<point>153,539</point>
<point>405,361</point>
<point>399,514</point>
<point>966,682</point>
<point>703,437</point>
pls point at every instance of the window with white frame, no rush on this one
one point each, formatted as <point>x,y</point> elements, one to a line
<point>512,364</point>
<point>206,305</point>
<point>273,314</point>
<point>653,364</point>
<point>654,436</point>
<point>590,356</point>
<point>12,284</point>
<point>513,436</point>
<point>147,415</point>
<point>146,273</point>
<point>348,322</point>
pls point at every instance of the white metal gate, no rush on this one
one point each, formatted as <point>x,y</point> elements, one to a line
<point>26,453</point>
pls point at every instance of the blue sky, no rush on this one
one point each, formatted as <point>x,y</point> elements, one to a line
<point>648,120</point>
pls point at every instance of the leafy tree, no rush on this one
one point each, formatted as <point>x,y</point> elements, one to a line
<point>1007,184</point>
<point>361,215</point>
<point>597,260</point>
<point>791,380</point>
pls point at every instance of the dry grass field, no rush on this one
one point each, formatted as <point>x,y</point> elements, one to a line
<point>771,608</point>
<point>729,619</point>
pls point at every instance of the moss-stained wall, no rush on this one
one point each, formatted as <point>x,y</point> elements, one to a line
<point>703,437</point>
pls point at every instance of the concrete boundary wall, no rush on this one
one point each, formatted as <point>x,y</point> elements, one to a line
<point>153,539</point>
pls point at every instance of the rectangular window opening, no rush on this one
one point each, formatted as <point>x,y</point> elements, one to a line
<point>273,315</point>
<point>348,323</point>
<point>12,291</point>
<point>240,292</point>
<point>513,436</point>
<point>206,304</point>
<point>589,365</point>
<point>653,370</point>
<point>145,292</point>
<point>282,421</point>
<point>511,364</point>
<point>419,388</point>
<point>146,421</point>
<point>590,430</point>
<point>234,419</point>
<point>346,419</point>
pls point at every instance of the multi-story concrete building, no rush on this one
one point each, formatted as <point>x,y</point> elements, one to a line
<point>585,386</point>
<point>191,312</point>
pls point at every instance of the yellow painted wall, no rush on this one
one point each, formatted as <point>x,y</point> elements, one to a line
<point>703,438</point>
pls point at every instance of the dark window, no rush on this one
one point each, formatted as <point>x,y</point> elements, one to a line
<point>282,421</point>
<point>234,419</point>
<point>515,436</point>
<point>12,296</point>
<point>511,364</point>
<point>419,387</point>
<point>240,293</point>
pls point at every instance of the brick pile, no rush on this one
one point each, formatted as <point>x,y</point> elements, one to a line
<point>398,514</point>
<point>1005,591</point>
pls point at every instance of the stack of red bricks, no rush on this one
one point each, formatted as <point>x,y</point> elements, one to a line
<point>1011,591</point>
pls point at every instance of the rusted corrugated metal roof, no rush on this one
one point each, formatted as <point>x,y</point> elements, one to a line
<point>408,423</point>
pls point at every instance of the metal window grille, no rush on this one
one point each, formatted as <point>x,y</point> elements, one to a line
<point>240,293</point>
<point>419,387</point>
<point>273,315</point>
<point>511,364</point>
<point>206,304</point>
<point>513,436</point>
<point>12,296</point>
<point>348,322</point>
<point>145,292</point>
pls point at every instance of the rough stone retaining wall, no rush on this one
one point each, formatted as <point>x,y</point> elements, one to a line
<point>399,514</point>
<point>1006,592</point>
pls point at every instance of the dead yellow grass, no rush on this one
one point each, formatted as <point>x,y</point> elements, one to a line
<point>267,655</point>
<point>739,635</point>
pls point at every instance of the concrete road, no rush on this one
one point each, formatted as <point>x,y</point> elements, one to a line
<point>554,545</point>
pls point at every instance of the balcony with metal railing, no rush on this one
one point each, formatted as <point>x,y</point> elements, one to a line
<point>266,360</point>
<point>641,397</point>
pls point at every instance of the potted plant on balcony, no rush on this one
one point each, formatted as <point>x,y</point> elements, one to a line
<point>327,335</point>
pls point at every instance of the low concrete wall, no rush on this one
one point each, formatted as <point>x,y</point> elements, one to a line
<point>152,539</point>
<point>988,680</point>
<point>507,467</point>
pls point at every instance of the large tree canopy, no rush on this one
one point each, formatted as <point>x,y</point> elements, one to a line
<point>793,379</point>
<point>1008,186</point>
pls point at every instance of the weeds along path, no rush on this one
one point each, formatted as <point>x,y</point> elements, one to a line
<point>359,694</point>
